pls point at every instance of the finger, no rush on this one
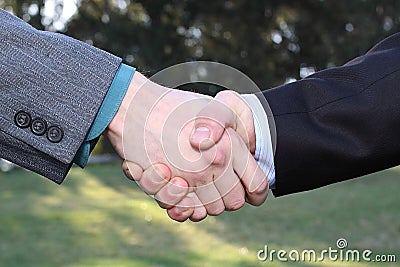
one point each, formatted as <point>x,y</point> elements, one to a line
<point>227,110</point>
<point>154,178</point>
<point>132,170</point>
<point>228,183</point>
<point>210,198</point>
<point>200,212</point>
<point>257,199</point>
<point>172,193</point>
<point>252,177</point>
<point>231,190</point>
<point>182,211</point>
<point>211,122</point>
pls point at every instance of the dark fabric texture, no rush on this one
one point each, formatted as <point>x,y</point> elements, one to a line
<point>53,77</point>
<point>339,123</point>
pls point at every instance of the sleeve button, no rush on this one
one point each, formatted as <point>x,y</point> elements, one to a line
<point>22,119</point>
<point>55,134</point>
<point>38,126</point>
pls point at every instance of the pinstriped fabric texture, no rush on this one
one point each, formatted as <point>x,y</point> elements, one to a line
<point>27,157</point>
<point>53,77</point>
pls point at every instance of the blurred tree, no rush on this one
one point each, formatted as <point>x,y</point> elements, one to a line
<point>33,11</point>
<point>268,40</point>
<point>30,11</point>
<point>271,41</point>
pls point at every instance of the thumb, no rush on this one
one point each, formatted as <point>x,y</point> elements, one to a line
<point>212,121</point>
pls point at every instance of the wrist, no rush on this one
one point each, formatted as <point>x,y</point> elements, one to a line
<point>264,150</point>
<point>114,130</point>
<point>145,94</point>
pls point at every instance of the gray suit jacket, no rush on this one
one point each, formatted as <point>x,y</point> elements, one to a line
<point>57,84</point>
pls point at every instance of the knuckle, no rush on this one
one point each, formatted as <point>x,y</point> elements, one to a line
<point>226,94</point>
<point>198,218</point>
<point>149,186</point>
<point>202,180</point>
<point>128,174</point>
<point>215,210</point>
<point>199,214</point>
<point>219,156</point>
<point>162,204</point>
<point>261,188</point>
<point>180,214</point>
<point>235,204</point>
<point>258,201</point>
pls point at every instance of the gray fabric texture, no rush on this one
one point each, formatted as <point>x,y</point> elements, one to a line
<point>53,77</point>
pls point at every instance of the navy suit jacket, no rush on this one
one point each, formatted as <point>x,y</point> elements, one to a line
<point>339,123</point>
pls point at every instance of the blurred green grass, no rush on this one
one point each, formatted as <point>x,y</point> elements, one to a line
<point>99,218</point>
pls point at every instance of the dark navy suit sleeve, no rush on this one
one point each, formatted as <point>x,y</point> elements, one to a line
<point>339,123</point>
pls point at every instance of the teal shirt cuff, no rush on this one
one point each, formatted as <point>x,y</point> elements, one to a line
<point>107,111</point>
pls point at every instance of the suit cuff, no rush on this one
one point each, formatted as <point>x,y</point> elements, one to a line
<point>264,152</point>
<point>107,111</point>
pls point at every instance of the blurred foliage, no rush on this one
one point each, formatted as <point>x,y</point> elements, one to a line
<point>268,40</point>
<point>271,41</point>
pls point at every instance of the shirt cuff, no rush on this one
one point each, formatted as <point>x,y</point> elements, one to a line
<point>264,152</point>
<point>107,111</point>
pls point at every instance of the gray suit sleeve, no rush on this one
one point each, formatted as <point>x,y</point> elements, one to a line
<point>54,78</point>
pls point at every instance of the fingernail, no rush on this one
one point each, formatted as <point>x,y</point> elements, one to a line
<point>201,134</point>
<point>181,210</point>
<point>174,189</point>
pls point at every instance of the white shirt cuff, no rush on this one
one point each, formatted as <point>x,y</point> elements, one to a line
<point>264,152</point>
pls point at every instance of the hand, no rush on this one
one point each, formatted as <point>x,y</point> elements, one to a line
<point>226,110</point>
<point>153,130</point>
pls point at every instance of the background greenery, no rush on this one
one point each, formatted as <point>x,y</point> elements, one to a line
<point>268,40</point>
<point>272,41</point>
<point>96,218</point>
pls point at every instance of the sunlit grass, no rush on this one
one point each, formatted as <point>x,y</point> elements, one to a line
<point>98,218</point>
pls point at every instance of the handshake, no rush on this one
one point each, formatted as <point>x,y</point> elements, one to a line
<point>193,153</point>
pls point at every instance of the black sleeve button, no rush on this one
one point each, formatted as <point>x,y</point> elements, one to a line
<point>55,134</point>
<point>22,119</point>
<point>39,126</point>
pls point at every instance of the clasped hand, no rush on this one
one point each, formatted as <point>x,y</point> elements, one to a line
<point>189,173</point>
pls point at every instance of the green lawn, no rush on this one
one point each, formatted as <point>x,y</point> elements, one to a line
<point>98,218</point>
